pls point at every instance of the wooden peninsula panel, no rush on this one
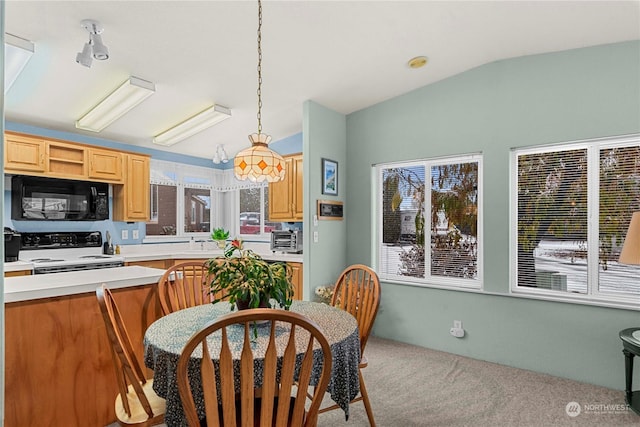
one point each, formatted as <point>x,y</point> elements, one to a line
<point>58,365</point>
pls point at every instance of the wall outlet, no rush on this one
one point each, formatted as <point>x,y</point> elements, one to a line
<point>456,332</point>
<point>136,234</point>
<point>125,234</point>
<point>315,237</point>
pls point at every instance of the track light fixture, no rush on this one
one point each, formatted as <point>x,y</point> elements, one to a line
<point>94,48</point>
<point>221,155</point>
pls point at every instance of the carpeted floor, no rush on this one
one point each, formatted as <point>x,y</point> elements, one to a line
<point>413,386</point>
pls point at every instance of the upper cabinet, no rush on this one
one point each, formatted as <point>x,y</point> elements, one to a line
<point>128,172</point>
<point>285,197</point>
<point>105,164</point>
<point>131,200</point>
<point>34,155</point>
<point>24,154</point>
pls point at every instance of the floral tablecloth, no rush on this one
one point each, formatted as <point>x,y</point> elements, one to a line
<point>166,337</point>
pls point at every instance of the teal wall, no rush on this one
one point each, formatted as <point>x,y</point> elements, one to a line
<point>324,136</point>
<point>541,99</point>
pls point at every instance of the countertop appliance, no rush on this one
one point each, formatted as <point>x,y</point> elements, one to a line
<point>68,251</point>
<point>35,198</point>
<point>11,245</point>
<point>286,241</point>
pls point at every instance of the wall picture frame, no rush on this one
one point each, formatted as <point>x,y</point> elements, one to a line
<point>329,177</point>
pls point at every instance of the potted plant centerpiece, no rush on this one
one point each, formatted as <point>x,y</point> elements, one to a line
<point>246,280</point>
<point>220,236</point>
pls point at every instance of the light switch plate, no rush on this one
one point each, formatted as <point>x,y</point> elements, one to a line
<point>125,234</point>
<point>136,234</point>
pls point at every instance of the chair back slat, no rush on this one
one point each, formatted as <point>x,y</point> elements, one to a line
<point>128,370</point>
<point>210,390</point>
<point>227,385</point>
<point>184,285</point>
<point>290,409</point>
<point>269,385</point>
<point>357,291</point>
<point>246,380</point>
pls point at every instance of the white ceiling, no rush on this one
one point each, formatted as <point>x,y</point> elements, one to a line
<point>345,55</point>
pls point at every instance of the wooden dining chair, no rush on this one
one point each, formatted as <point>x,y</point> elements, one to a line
<point>136,404</point>
<point>184,285</point>
<point>357,291</point>
<point>280,401</point>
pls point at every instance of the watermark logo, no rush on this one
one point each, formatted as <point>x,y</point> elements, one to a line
<point>573,409</point>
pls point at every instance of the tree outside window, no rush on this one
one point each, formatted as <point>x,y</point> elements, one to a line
<point>448,204</point>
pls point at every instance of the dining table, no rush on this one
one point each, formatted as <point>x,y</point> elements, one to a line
<point>165,339</point>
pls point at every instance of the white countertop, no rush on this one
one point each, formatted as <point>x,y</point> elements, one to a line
<point>39,286</point>
<point>151,252</point>
<point>18,266</point>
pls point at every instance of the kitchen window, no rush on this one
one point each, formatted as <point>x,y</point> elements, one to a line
<point>253,219</point>
<point>571,207</point>
<point>182,198</point>
<point>428,219</point>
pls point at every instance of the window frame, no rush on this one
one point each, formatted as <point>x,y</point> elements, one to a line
<point>182,172</point>
<point>593,295</point>
<point>262,236</point>
<point>429,280</point>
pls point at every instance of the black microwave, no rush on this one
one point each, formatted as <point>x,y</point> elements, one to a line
<point>49,199</point>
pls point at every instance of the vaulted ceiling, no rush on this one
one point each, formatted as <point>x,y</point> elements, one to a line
<point>345,55</point>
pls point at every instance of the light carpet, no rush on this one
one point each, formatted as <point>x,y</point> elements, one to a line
<point>415,386</point>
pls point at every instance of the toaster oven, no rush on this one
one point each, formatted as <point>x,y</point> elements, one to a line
<point>286,241</point>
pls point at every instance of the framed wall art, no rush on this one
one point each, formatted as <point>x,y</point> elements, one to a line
<point>329,177</point>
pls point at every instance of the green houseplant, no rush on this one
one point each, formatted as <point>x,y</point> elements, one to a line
<point>220,236</point>
<point>247,281</point>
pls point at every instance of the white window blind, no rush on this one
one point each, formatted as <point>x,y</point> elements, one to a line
<point>572,208</point>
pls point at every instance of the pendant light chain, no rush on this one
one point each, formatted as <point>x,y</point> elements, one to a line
<point>259,163</point>
<point>259,115</point>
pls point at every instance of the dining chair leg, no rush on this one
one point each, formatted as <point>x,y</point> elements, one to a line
<point>365,400</point>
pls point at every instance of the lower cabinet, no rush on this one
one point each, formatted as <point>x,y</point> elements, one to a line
<point>296,279</point>
<point>17,273</point>
<point>58,366</point>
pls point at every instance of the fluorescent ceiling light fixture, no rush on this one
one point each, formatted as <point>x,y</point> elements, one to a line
<point>129,94</point>
<point>17,53</point>
<point>201,121</point>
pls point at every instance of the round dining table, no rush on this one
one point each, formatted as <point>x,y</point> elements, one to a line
<point>165,339</point>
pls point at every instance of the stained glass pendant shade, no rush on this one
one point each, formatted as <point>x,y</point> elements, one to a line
<point>258,163</point>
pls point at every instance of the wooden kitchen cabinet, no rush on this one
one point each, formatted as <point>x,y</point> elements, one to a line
<point>296,279</point>
<point>105,165</point>
<point>58,365</point>
<point>131,199</point>
<point>66,160</point>
<point>24,153</point>
<point>285,197</point>
<point>17,273</point>
<point>38,156</point>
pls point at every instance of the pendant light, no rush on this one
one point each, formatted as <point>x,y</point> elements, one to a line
<point>258,163</point>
